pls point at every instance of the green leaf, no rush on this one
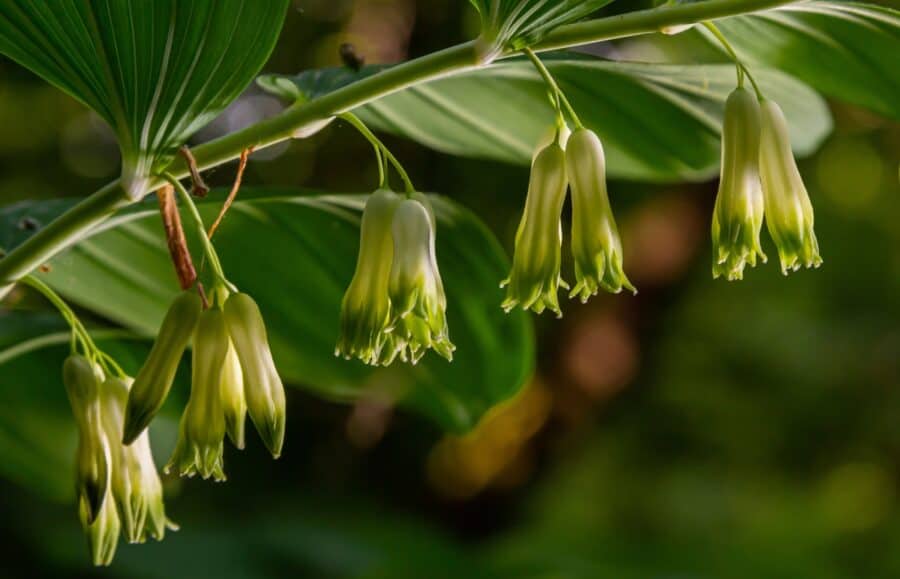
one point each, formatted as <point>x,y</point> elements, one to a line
<point>295,255</point>
<point>515,24</point>
<point>846,50</point>
<point>156,71</point>
<point>657,122</point>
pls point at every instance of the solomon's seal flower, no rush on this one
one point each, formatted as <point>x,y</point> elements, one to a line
<point>738,215</point>
<point>155,378</point>
<point>596,246</point>
<point>202,429</point>
<point>365,309</point>
<point>93,459</point>
<point>418,303</point>
<point>135,482</point>
<point>263,389</point>
<point>234,402</point>
<point>789,212</point>
<point>534,279</point>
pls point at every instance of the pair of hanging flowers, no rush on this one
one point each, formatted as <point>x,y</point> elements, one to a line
<point>759,181</point>
<point>395,306</point>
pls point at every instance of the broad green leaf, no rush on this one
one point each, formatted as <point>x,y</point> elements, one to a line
<point>846,50</point>
<point>156,71</point>
<point>657,122</point>
<point>295,255</point>
<point>515,24</point>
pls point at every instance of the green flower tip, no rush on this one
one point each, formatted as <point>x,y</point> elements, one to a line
<point>103,533</point>
<point>789,211</point>
<point>153,382</point>
<point>416,292</point>
<point>596,245</point>
<point>202,429</point>
<point>263,389</point>
<point>535,278</point>
<point>365,309</point>
<point>738,214</point>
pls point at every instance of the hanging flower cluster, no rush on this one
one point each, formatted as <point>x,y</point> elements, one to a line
<point>395,305</point>
<point>118,487</point>
<point>233,374</point>
<point>570,160</point>
<point>759,178</point>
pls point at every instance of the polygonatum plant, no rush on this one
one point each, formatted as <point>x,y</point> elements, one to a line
<point>395,277</point>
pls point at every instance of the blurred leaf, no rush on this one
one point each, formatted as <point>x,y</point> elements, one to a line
<point>657,122</point>
<point>846,50</point>
<point>155,71</point>
<point>295,255</point>
<point>519,23</point>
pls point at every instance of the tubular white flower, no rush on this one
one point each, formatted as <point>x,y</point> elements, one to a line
<point>789,212</point>
<point>365,309</point>
<point>202,429</point>
<point>738,215</point>
<point>534,279</point>
<point>418,303</point>
<point>136,486</point>
<point>596,246</point>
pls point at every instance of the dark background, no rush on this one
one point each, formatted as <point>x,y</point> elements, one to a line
<point>700,429</point>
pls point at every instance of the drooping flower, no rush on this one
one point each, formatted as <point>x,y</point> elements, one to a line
<point>738,215</point>
<point>789,212</point>
<point>418,303</point>
<point>136,486</point>
<point>365,309</point>
<point>154,380</point>
<point>93,459</point>
<point>263,389</point>
<point>596,246</point>
<point>202,429</point>
<point>534,279</point>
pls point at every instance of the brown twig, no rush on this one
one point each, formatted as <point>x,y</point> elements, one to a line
<point>199,187</point>
<point>178,249</point>
<point>242,164</point>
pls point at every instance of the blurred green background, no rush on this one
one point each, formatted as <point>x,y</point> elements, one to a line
<point>699,430</point>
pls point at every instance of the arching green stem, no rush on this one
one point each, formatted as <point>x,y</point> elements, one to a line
<point>561,100</point>
<point>741,67</point>
<point>77,222</point>
<point>380,146</point>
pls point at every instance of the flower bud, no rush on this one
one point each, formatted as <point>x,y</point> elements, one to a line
<point>136,486</point>
<point>738,215</point>
<point>262,385</point>
<point>365,309</point>
<point>789,212</point>
<point>534,279</point>
<point>418,303</point>
<point>202,430</point>
<point>155,378</point>
<point>103,532</point>
<point>93,458</point>
<point>596,246</point>
<point>234,402</point>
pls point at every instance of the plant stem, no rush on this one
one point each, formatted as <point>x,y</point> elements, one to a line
<point>79,332</point>
<point>742,69</point>
<point>77,222</point>
<point>376,145</point>
<point>551,84</point>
